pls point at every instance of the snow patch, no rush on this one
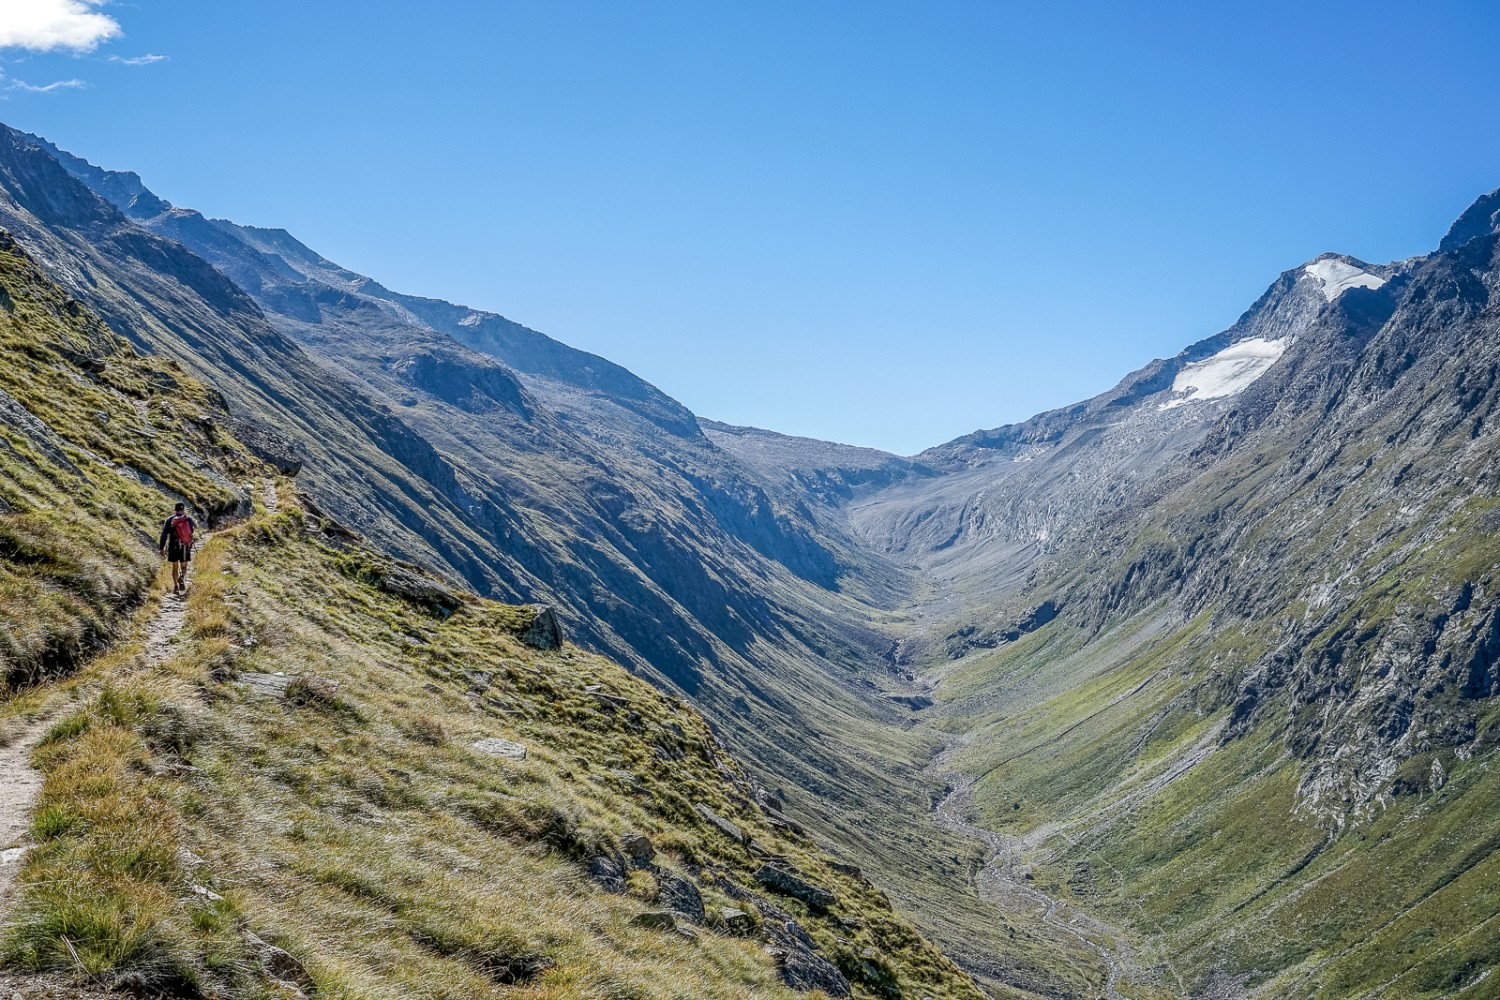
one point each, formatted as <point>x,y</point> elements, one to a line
<point>1229,372</point>
<point>1336,277</point>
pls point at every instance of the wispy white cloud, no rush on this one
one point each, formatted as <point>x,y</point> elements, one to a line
<point>145,60</point>
<point>49,25</point>
<point>47,88</point>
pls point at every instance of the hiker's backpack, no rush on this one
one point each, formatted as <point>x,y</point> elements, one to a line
<point>183,526</point>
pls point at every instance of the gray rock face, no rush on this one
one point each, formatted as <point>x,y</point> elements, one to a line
<point>664,920</point>
<point>788,883</point>
<point>769,800</point>
<point>413,586</point>
<point>1481,219</point>
<point>607,873</point>
<point>269,445</point>
<point>465,379</point>
<point>496,747</point>
<point>637,848</point>
<point>780,819</point>
<point>719,823</point>
<point>801,965</point>
<point>680,896</point>
<point>545,631</point>
<point>736,922</point>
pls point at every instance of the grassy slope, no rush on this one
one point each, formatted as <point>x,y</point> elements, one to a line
<point>88,461</point>
<point>357,828</point>
<point>361,831</point>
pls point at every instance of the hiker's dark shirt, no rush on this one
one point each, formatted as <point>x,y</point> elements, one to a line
<point>167,532</point>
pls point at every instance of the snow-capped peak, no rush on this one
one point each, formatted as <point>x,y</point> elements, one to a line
<point>1335,277</point>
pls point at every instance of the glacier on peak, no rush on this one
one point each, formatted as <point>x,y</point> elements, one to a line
<point>1335,277</point>
<point>1224,374</point>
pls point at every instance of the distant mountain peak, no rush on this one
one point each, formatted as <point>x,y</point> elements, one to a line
<point>1480,219</point>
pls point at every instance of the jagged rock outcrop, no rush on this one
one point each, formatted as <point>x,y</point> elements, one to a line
<point>545,631</point>
<point>681,896</point>
<point>269,445</point>
<point>787,882</point>
<point>801,965</point>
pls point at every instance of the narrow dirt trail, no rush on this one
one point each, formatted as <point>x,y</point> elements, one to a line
<point>269,498</point>
<point>162,629</point>
<point>21,783</point>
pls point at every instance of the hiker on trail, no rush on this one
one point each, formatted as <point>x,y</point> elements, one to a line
<point>176,546</point>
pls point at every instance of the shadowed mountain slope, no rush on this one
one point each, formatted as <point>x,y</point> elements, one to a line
<point>538,472</point>
<point>320,774</point>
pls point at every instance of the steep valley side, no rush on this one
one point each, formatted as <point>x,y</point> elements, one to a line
<point>321,772</point>
<point>563,479</point>
<point>1185,690</point>
<point>1254,728</point>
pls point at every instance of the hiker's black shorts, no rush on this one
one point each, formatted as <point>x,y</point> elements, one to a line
<point>177,552</point>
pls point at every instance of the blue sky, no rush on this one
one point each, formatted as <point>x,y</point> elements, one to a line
<point>886,224</point>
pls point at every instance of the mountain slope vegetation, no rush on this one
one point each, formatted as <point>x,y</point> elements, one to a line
<point>1185,690</point>
<point>332,778</point>
<point>530,471</point>
<point>1254,728</point>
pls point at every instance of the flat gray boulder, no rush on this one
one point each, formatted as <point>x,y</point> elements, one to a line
<point>719,823</point>
<point>420,589</point>
<point>663,920</point>
<point>266,685</point>
<point>496,747</point>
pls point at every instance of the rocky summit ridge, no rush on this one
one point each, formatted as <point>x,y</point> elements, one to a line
<point>1184,690</point>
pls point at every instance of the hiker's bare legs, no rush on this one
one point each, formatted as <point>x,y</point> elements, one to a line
<point>179,576</point>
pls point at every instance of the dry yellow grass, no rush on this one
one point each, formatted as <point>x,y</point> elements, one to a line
<point>353,824</point>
